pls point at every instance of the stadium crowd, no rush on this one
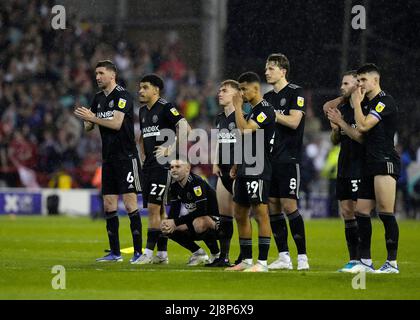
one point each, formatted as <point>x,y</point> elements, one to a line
<point>45,73</point>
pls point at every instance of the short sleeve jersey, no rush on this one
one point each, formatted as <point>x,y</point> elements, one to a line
<point>116,144</point>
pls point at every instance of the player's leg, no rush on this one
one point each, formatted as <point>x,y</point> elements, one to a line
<point>205,229</point>
<point>385,192</point>
<point>130,203</point>
<point>289,194</point>
<point>347,195</point>
<point>110,202</point>
<point>278,223</point>
<point>297,229</point>
<point>112,226</point>
<point>157,187</point>
<point>162,243</point>
<point>225,204</point>
<point>364,206</point>
<point>264,237</point>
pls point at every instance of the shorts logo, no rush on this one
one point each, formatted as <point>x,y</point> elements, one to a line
<point>261,117</point>
<point>174,112</point>
<point>300,101</point>
<point>283,102</point>
<point>111,104</point>
<point>197,190</point>
<point>379,107</point>
<point>121,103</point>
<point>155,118</point>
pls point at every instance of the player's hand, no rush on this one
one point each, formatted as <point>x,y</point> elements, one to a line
<point>216,170</point>
<point>238,101</point>
<point>161,151</point>
<point>233,172</point>
<point>357,96</point>
<point>335,117</point>
<point>168,226</point>
<point>84,114</point>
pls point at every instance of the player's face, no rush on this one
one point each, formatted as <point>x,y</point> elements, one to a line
<point>273,73</point>
<point>104,77</point>
<point>248,90</point>
<point>146,92</point>
<point>179,169</point>
<point>225,95</point>
<point>348,85</point>
<point>368,81</point>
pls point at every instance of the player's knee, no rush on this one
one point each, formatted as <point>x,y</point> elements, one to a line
<point>199,226</point>
<point>289,208</point>
<point>109,205</point>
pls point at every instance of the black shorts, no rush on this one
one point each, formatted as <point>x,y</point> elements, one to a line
<point>372,169</point>
<point>155,185</point>
<point>122,176</point>
<point>347,188</point>
<point>250,191</point>
<point>391,168</point>
<point>227,181</point>
<point>285,181</point>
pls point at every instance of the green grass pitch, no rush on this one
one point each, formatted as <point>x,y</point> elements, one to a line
<point>31,246</point>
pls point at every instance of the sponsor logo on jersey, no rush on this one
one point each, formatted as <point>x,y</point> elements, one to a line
<point>105,115</point>
<point>379,107</point>
<point>151,131</point>
<point>261,117</point>
<point>174,111</point>
<point>190,206</point>
<point>300,101</point>
<point>197,190</point>
<point>226,137</point>
<point>111,104</point>
<point>121,103</point>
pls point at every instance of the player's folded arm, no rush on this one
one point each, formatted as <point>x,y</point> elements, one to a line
<point>371,120</point>
<point>292,120</point>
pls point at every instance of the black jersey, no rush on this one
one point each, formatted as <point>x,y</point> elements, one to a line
<point>351,152</point>
<point>198,197</point>
<point>260,151</point>
<point>162,115</point>
<point>288,142</point>
<point>116,144</point>
<point>227,137</point>
<point>379,140</point>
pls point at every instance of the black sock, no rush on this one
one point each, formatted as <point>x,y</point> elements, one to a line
<point>152,238</point>
<point>297,228</point>
<point>162,243</point>
<point>279,229</point>
<point>112,225</point>
<point>246,248</point>
<point>352,238</point>
<point>136,230</point>
<point>391,234</point>
<point>364,225</point>
<point>210,239</point>
<point>263,247</point>
<point>225,235</point>
<point>184,239</point>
